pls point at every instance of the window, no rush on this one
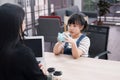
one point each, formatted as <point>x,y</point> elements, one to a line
<point>33,9</point>
<point>36,8</point>
<point>58,4</point>
<point>90,5</point>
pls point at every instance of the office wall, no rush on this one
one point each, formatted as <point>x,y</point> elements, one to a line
<point>78,3</point>
<point>114,43</point>
<point>7,1</point>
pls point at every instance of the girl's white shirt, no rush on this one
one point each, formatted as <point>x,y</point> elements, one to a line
<point>83,45</point>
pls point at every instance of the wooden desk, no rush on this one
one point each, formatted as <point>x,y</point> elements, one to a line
<point>83,68</point>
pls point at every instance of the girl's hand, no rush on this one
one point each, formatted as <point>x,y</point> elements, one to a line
<point>69,39</point>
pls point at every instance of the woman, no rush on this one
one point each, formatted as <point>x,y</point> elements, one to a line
<point>17,61</point>
<point>77,44</point>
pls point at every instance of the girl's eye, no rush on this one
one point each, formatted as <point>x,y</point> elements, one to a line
<point>74,25</point>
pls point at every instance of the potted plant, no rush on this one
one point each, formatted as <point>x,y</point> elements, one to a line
<point>103,8</point>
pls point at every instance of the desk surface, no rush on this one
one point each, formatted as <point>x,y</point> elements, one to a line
<point>83,68</point>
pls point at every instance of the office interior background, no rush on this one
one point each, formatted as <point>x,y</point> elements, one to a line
<point>36,8</point>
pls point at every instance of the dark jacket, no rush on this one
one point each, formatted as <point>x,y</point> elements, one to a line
<point>19,64</point>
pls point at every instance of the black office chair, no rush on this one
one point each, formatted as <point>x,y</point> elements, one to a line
<point>49,28</point>
<point>99,38</point>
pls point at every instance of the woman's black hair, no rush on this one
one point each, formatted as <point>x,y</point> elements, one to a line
<point>78,19</point>
<point>11,19</point>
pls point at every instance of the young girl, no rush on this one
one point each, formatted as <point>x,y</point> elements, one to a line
<point>76,43</point>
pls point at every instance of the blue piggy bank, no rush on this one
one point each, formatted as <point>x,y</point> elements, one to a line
<point>61,37</point>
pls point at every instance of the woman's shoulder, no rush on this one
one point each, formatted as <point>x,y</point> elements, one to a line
<point>23,54</point>
<point>23,50</point>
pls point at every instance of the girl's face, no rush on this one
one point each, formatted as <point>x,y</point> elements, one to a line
<point>75,30</point>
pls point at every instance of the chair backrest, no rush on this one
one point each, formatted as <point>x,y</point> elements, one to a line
<point>99,37</point>
<point>49,28</point>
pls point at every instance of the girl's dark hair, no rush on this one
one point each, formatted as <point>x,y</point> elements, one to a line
<point>11,19</point>
<point>78,19</point>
